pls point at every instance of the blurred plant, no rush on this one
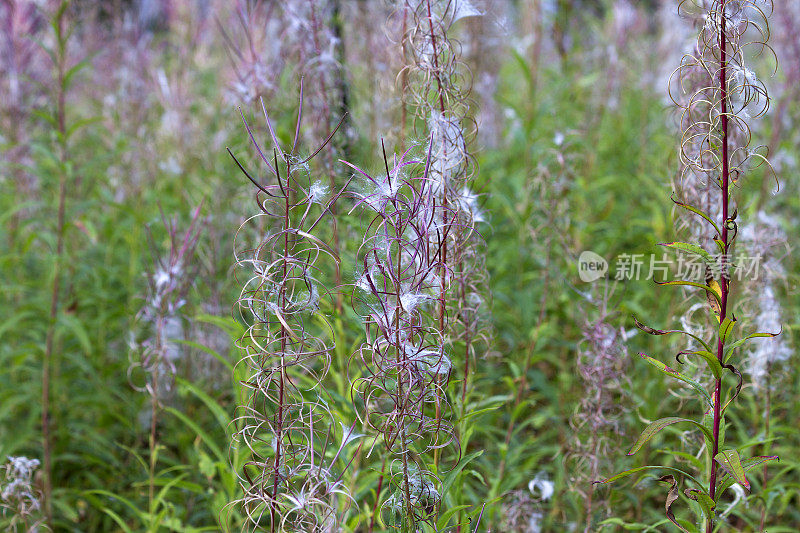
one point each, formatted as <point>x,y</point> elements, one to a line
<point>257,60</point>
<point>63,130</point>
<point>23,71</point>
<point>315,27</point>
<point>290,475</point>
<point>155,357</point>
<point>714,145</point>
<point>763,238</point>
<point>597,421</point>
<point>523,509</point>
<point>19,497</point>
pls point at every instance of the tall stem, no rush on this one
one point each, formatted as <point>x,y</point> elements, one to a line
<point>283,337</point>
<point>723,280</point>
<point>47,437</point>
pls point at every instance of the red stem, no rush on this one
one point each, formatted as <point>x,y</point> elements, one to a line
<point>723,281</point>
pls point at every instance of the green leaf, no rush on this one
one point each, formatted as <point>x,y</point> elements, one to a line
<point>730,461</point>
<point>689,248</point>
<point>677,375</point>
<point>638,469</point>
<point>207,439</point>
<point>727,480</point>
<point>731,347</point>
<point>214,407</point>
<point>658,425</point>
<point>697,211</point>
<point>448,481</point>
<point>706,503</point>
<point>689,284</point>
<point>710,358</point>
<point>725,327</point>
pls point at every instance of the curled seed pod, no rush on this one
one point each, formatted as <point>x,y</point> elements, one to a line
<point>404,361</point>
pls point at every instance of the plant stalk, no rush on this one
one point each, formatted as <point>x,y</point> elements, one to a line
<point>723,281</point>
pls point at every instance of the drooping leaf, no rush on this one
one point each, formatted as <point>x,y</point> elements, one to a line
<point>677,375</point>
<point>672,495</point>
<point>689,248</point>
<point>710,358</point>
<point>730,461</point>
<point>697,211</point>
<point>658,425</point>
<point>630,472</point>
<point>738,375</point>
<point>687,283</point>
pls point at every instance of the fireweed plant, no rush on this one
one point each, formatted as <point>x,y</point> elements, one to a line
<point>596,422</point>
<point>313,28</point>
<point>290,481</point>
<point>155,355</point>
<point>436,89</point>
<point>404,362</point>
<point>715,146</point>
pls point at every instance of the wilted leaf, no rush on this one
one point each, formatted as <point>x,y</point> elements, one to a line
<point>714,295</point>
<point>672,495</point>
<point>653,331</point>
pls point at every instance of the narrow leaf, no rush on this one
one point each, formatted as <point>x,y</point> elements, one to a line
<point>730,461</point>
<point>658,425</point>
<point>726,481</point>
<point>697,211</point>
<point>689,248</point>
<point>710,358</point>
<point>677,375</point>
<point>731,347</point>
<point>626,473</point>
